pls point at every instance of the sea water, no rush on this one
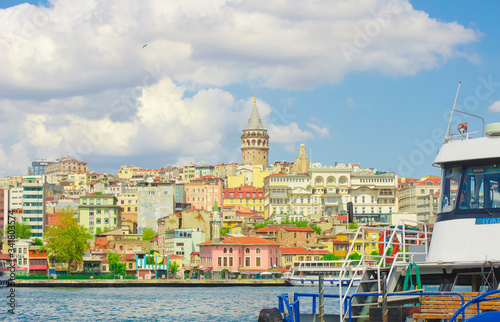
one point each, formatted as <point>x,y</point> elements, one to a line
<point>151,303</point>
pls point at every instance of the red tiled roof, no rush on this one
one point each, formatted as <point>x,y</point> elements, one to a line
<point>266,230</point>
<point>175,256</point>
<point>340,242</point>
<point>130,257</point>
<point>244,240</point>
<point>301,250</point>
<point>303,229</point>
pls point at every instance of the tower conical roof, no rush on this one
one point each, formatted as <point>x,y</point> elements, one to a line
<point>254,122</point>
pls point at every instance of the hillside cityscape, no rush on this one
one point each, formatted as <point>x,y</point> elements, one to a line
<point>203,221</point>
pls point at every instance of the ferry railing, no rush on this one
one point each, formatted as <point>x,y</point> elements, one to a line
<point>403,256</point>
<point>292,313</point>
<point>404,294</point>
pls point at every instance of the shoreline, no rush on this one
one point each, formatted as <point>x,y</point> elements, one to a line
<point>147,283</point>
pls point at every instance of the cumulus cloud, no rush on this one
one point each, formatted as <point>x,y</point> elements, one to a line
<point>495,107</point>
<point>87,45</point>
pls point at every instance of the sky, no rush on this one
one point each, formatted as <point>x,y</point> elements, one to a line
<point>157,83</point>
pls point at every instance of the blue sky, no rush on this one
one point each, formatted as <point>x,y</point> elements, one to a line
<point>371,81</point>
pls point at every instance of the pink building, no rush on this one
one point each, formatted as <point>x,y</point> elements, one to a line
<point>232,256</point>
<point>204,192</point>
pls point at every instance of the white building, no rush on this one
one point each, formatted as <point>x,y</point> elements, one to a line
<point>154,201</point>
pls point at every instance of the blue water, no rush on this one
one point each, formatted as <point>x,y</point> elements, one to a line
<point>149,303</point>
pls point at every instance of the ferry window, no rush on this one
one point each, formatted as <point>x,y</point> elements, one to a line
<point>480,187</point>
<point>451,178</point>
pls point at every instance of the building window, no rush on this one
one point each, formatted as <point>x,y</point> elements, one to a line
<point>224,250</point>
<point>247,250</point>
<point>257,262</point>
<point>230,261</point>
<point>257,251</point>
<point>247,261</point>
<point>219,261</point>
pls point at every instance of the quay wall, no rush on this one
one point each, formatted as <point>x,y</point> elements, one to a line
<point>147,283</point>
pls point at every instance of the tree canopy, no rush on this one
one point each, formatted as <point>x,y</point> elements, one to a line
<point>148,234</point>
<point>38,242</point>
<point>115,265</point>
<point>23,231</point>
<point>67,241</point>
<point>329,257</point>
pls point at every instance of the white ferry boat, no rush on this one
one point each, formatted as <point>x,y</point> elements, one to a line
<point>306,273</point>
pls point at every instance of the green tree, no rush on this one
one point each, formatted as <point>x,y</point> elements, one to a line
<point>259,226</point>
<point>38,242</point>
<point>302,223</point>
<point>330,257</point>
<point>174,268</point>
<point>115,265</point>
<point>354,256</point>
<point>353,225</point>
<point>316,228</point>
<point>98,230</point>
<point>67,241</point>
<point>23,231</point>
<point>148,234</point>
<point>224,231</point>
<point>375,255</point>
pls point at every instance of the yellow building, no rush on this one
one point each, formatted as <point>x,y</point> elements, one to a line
<point>235,181</point>
<point>370,242</point>
<point>245,196</point>
<point>99,211</point>
<point>258,177</point>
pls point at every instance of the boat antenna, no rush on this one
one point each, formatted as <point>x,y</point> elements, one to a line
<point>451,114</point>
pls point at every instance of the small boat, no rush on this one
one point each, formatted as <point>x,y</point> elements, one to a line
<point>306,273</point>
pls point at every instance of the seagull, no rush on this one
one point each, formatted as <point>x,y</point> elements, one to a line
<point>144,45</point>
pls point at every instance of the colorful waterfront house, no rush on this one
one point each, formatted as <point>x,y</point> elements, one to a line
<point>230,256</point>
<point>157,265</point>
<point>130,264</point>
<point>37,260</point>
<point>294,254</point>
<point>91,263</point>
<point>99,211</point>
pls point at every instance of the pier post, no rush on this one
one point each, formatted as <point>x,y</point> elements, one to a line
<point>321,299</point>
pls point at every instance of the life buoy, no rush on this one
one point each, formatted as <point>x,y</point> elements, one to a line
<point>395,245</point>
<point>422,235</point>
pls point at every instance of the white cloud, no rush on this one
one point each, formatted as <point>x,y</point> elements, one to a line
<point>495,107</point>
<point>76,80</point>
<point>204,126</point>
<point>84,46</point>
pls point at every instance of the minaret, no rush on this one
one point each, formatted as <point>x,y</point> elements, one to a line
<point>255,141</point>
<point>301,164</point>
<point>216,224</point>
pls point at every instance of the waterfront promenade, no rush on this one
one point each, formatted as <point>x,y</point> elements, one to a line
<point>148,283</point>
